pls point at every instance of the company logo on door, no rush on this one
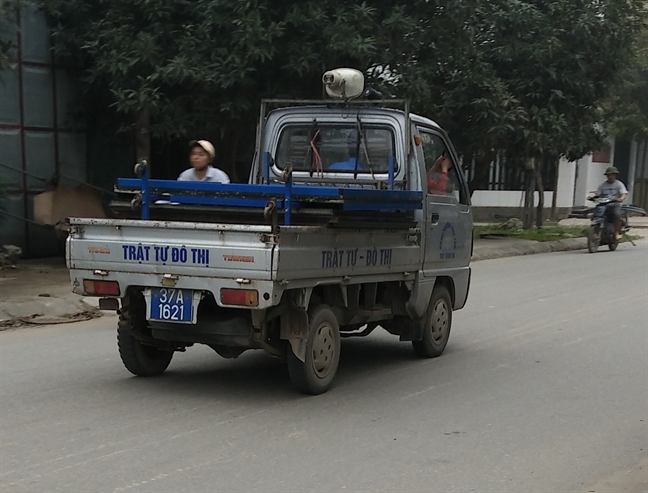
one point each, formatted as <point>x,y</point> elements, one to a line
<point>448,243</point>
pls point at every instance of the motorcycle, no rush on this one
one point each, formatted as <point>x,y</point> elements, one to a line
<point>601,230</point>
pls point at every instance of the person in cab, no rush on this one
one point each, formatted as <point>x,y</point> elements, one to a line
<point>437,176</point>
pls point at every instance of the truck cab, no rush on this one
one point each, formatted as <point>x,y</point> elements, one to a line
<point>371,147</point>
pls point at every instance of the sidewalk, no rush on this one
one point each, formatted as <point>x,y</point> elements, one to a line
<point>487,248</point>
<point>38,292</point>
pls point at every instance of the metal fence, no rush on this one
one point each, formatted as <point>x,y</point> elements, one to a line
<point>36,141</point>
<point>507,174</point>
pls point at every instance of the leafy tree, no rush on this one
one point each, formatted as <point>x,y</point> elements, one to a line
<point>176,68</point>
<point>584,47</point>
<point>446,74</point>
<point>627,108</point>
<point>544,69</point>
<point>522,78</point>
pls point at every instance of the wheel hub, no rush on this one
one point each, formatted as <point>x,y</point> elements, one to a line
<point>323,350</point>
<point>439,322</point>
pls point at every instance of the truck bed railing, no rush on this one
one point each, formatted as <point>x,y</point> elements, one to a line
<point>284,198</point>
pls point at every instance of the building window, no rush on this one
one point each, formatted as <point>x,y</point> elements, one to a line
<point>601,156</point>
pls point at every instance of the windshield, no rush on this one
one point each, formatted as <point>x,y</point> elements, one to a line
<point>336,148</point>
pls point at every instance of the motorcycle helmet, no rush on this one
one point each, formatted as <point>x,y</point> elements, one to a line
<point>611,170</point>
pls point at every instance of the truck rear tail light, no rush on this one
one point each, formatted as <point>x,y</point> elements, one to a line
<point>240,297</point>
<point>103,288</point>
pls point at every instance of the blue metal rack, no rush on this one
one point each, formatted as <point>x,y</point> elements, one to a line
<point>287,197</point>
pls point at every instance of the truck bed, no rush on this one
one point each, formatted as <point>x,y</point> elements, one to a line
<point>207,256</point>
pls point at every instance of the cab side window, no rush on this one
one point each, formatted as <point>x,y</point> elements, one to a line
<point>433,148</point>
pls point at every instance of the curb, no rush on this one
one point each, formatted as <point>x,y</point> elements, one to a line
<point>494,252</point>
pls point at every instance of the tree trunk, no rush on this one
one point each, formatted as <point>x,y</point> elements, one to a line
<point>143,137</point>
<point>527,220</point>
<point>554,197</point>
<point>236,150</point>
<point>539,219</point>
<point>229,151</point>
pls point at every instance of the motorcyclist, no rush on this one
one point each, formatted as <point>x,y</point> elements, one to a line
<point>613,189</point>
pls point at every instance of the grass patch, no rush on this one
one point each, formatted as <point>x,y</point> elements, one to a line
<point>548,233</point>
<point>630,237</point>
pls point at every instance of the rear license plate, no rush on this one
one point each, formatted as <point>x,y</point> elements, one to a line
<point>171,305</point>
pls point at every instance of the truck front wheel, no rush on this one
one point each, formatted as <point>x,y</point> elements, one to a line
<point>316,373</point>
<point>437,323</point>
<point>138,358</point>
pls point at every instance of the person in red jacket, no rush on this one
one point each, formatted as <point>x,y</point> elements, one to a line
<point>437,177</point>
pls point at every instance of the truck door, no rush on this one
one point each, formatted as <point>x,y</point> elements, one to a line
<point>448,225</point>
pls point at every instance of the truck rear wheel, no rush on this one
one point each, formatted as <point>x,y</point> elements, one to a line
<point>316,373</point>
<point>138,358</point>
<point>438,321</point>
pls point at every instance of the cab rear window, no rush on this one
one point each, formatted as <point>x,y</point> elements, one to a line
<point>336,149</point>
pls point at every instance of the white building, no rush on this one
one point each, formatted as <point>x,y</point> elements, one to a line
<point>575,180</point>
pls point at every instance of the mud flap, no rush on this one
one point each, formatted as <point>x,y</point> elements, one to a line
<point>411,330</point>
<point>294,329</point>
<point>420,296</point>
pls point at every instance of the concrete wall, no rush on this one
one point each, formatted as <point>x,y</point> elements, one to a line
<point>502,198</point>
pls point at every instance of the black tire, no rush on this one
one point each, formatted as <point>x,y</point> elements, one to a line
<point>315,375</point>
<point>438,322</point>
<point>593,238</point>
<point>138,358</point>
<point>613,243</point>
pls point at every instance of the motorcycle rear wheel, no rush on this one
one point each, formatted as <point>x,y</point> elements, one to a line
<point>593,238</point>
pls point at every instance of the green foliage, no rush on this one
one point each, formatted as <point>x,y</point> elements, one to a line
<point>526,78</point>
<point>627,108</point>
<point>8,29</point>
<point>188,63</point>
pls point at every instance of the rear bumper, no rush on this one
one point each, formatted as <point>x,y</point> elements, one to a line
<point>232,331</point>
<point>269,294</point>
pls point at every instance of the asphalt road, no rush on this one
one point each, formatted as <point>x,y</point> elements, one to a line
<point>543,388</point>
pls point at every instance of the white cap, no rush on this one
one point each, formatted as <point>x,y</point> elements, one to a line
<point>206,145</point>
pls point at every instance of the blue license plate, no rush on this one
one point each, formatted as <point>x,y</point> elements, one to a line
<point>171,305</point>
